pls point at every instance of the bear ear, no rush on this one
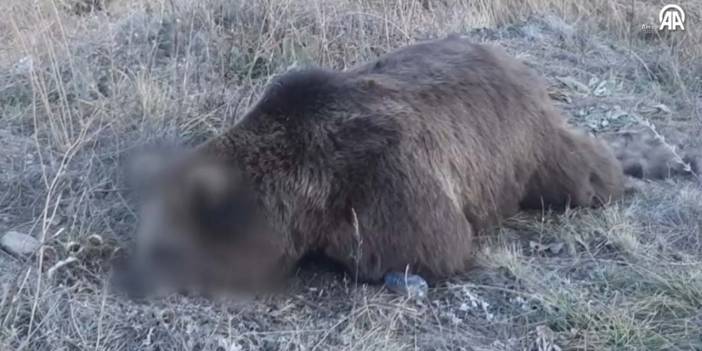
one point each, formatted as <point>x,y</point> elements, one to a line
<point>362,140</point>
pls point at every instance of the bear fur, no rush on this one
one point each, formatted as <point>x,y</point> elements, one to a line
<point>645,154</point>
<point>396,163</point>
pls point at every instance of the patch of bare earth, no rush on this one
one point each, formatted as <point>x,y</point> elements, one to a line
<point>82,85</point>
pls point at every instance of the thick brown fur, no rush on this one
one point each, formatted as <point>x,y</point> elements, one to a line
<point>644,154</point>
<point>399,162</point>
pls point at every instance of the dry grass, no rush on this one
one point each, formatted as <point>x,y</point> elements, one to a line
<point>79,91</point>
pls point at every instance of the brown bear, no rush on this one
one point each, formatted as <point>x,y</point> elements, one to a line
<point>391,165</point>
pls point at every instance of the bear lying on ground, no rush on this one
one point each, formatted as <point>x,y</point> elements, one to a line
<point>395,164</point>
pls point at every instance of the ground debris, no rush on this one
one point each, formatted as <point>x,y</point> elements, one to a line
<point>545,340</point>
<point>19,244</point>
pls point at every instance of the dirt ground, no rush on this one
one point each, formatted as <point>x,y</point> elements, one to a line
<point>81,86</point>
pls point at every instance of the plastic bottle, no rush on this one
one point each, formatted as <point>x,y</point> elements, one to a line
<point>410,285</point>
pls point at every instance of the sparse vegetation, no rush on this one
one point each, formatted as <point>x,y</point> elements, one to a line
<point>82,85</point>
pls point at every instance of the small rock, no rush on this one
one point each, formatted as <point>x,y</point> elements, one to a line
<point>19,244</point>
